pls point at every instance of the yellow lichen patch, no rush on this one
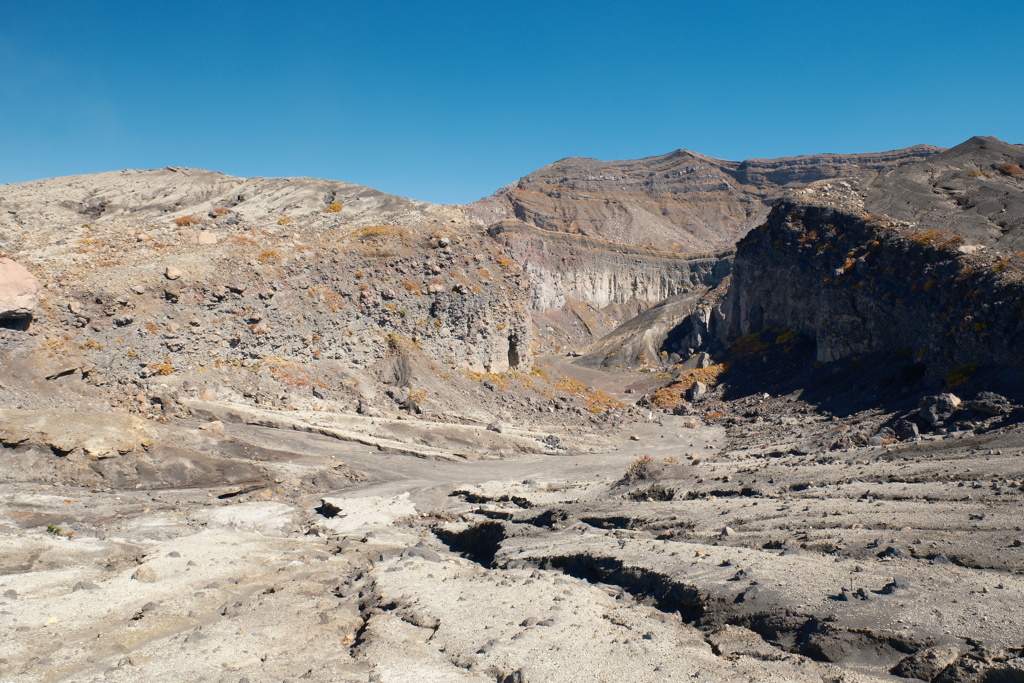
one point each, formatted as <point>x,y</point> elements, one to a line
<point>671,396</point>
<point>595,400</point>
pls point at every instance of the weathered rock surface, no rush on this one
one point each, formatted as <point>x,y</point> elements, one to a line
<point>333,426</point>
<point>857,283</point>
<point>975,189</point>
<point>19,290</point>
<point>641,340</point>
<point>582,288</point>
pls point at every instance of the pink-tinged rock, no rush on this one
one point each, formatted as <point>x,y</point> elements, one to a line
<point>203,237</point>
<point>19,290</point>
<point>172,273</point>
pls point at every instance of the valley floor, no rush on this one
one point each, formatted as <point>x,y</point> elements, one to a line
<point>671,553</point>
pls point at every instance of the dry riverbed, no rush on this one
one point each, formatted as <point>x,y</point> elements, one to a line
<point>670,553</point>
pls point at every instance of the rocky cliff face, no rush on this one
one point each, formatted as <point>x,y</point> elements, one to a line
<point>857,283</point>
<point>582,288</point>
<point>679,202</point>
<point>563,266</point>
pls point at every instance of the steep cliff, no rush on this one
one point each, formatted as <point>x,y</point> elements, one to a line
<point>681,201</point>
<point>858,283</point>
<point>582,287</point>
<point>602,273</point>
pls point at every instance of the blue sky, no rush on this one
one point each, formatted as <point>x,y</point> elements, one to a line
<point>448,101</point>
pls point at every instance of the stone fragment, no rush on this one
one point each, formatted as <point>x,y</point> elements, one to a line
<point>926,664</point>
<point>172,273</point>
<point>898,583</point>
<point>215,427</point>
<point>906,430</point>
<point>697,391</point>
<point>988,403</point>
<point>145,574</point>
<point>421,552</point>
<point>748,595</point>
<point>696,362</point>
<point>497,427</point>
<point>892,552</point>
<point>19,290</point>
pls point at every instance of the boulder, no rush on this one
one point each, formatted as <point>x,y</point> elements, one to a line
<point>935,409</point>
<point>697,391</point>
<point>906,430</point>
<point>928,663</point>
<point>696,362</point>
<point>988,403</point>
<point>19,290</point>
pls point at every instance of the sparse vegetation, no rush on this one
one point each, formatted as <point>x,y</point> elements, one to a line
<point>55,530</point>
<point>164,368</point>
<point>1011,169</point>
<point>960,374</point>
<point>187,221</point>
<point>334,207</point>
<point>268,256</point>
<point>941,239</point>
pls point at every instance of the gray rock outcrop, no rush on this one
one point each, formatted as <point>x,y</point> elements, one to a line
<point>858,283</point>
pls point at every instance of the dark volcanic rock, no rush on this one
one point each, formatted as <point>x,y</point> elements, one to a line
<point>859,284</point>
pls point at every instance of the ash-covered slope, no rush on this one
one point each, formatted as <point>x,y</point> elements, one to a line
<point>681,201</point>
<point>973,189</point>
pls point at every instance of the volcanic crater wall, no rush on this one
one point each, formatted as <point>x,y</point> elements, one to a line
<point>563,266</point>
<point>857,284</point>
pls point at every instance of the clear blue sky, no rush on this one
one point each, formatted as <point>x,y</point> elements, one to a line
<point>448,101</point>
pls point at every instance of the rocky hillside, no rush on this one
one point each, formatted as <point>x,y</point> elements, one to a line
<point>973,189</point>
<point>157,289</point>
<point>681,201</point>
<point>860,282</point>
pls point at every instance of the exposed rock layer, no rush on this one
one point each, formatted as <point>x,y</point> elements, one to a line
<point>860,284</point>
<point>680,201</point>
<point>563,266</point>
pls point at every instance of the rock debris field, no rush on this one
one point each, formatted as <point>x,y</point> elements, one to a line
<point>673,555</point>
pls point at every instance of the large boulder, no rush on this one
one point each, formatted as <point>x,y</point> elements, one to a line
<point>19,290</point>
<point>938,409</point>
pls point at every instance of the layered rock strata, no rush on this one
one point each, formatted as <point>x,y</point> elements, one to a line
<point>563,266</point>
<point>680,201</point>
